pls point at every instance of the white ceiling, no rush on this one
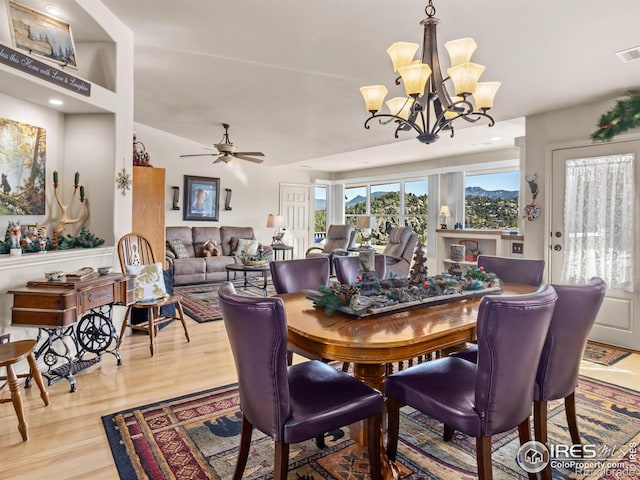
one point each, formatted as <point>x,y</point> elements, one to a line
<point>285,74</point>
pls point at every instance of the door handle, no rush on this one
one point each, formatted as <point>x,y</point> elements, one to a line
<point>558,234</point>
<point>557,248</point>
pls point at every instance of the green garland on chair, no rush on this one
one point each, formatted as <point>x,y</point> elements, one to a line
<point>624,116</point>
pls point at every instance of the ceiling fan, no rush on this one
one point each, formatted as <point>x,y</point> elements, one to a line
<point>227,151</point>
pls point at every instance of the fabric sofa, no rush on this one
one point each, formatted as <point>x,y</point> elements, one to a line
<point>193,265</point>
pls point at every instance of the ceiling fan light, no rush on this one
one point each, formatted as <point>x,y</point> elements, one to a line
<point>460,50</point>
<point>414,78</point>
<point>402,54</point>
<point>485,94</point>
<point>400,106</point>
<point>465,77</point>
<point>373,97</point>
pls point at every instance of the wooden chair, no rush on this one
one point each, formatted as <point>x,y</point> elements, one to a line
<point>11,353</point>
<point>135,250</point>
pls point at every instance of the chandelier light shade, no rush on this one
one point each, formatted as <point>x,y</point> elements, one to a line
<point>433,102</point>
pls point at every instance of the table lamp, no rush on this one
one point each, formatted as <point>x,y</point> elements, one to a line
<point>279,223</point>
<point>444,213</point>
<point>365,224</point>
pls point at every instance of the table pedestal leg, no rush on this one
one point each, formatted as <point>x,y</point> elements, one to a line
<point>374,376</point>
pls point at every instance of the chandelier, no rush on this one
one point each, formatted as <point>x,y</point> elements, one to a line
<point>428,108</point>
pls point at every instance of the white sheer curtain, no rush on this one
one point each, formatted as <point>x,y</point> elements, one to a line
<point>598,221</point>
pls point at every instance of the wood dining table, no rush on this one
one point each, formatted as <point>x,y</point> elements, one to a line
<point>372,342</point>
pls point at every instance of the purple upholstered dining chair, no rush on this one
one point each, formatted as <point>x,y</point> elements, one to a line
<point>573,318</point>
<point>347,268</point>
<point>290,404</point>
<point>524,271</point>
<point>488,398</point>
<point>300,274</point>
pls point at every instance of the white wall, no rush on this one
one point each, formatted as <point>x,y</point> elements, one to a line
<point>255,187</point>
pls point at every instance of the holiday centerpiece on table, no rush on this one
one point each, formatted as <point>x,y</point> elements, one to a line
<point>396,294</point>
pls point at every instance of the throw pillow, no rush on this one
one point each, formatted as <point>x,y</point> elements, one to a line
<point>233,245</point>
<point>247,247</point>
<point>149,282</point>
<point>178,248</point>
<point>210,249</point>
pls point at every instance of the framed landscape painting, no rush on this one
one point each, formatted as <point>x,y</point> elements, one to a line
<point>42,35</point>
<point>23,153</point>
<point>201,198</point>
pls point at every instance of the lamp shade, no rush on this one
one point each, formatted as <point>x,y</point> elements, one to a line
<point>402,54</point>
<point>373,97</point>
<point>270,220</point>
<point>465,77</point>
<point>279,221</point>
<point>414,77</point>
<point>485,94</point>
<point>460,50</point>
<point>444,211</point>
<point>366,221</point>
<point>400,106</point>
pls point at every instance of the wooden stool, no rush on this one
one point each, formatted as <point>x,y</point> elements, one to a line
<point>11,353</point>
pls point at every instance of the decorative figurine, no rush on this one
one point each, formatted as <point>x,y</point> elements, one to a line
<point>15,233</point>
<point>65,219</point>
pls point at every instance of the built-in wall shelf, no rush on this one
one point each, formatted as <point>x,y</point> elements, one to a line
<point>490,242</point>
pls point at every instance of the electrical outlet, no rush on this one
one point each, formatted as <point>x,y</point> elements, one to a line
<point>517,248</point>
<point>5,338</point>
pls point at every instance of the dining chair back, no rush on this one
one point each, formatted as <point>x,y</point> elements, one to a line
<point>488,398</point>
<point>399,250</point>
<point>136,257</point>
<point>347,269</point>
<point>289,404</point>
<point>524,271</point>
<point>299,274</point>
<point>557,377</point>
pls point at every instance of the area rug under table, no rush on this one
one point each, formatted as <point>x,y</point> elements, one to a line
<point>200,302</point>
<point>197,437</point>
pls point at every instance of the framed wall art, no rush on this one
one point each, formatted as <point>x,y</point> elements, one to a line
<point>41,34</point>
<point>23,153</point>
<point>201,198</point>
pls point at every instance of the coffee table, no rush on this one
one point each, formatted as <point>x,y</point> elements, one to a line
<point>247,282</point>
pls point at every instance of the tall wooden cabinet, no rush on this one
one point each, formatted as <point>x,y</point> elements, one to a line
<point>149,207</point>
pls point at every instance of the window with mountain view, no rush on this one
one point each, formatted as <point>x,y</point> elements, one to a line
<point>384,203</point>
<point>320,204</point>
<point>491,201</point>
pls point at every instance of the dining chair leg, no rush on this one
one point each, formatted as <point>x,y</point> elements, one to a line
<point>393,427</point>
<point>483,457</point>
<point>524,434</point>
<point>540,420</point>
<point>320,442</point>
<point>125,322</point>
<point>243,453</point>
<point>289,357</point>
<point>184,323</point>
<point>572,421</point>
<point>16,400</point>
<point>37,376</point>
<point>281,464</point>
<point>447,433</point>
<point>374,442</point>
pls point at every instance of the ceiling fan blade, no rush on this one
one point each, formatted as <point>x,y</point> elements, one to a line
<point>200,155</point>
<point>250,159</point>
<point>255,154</point>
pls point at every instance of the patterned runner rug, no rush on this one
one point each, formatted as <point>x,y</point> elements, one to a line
<point>603,354</point>
<point>200,302</point>
<point>197,437</point>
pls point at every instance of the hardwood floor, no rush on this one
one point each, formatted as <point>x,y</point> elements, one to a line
<point>67,440</point>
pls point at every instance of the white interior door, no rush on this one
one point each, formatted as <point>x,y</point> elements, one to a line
<point>584,244</point>
<point>294,205</point>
